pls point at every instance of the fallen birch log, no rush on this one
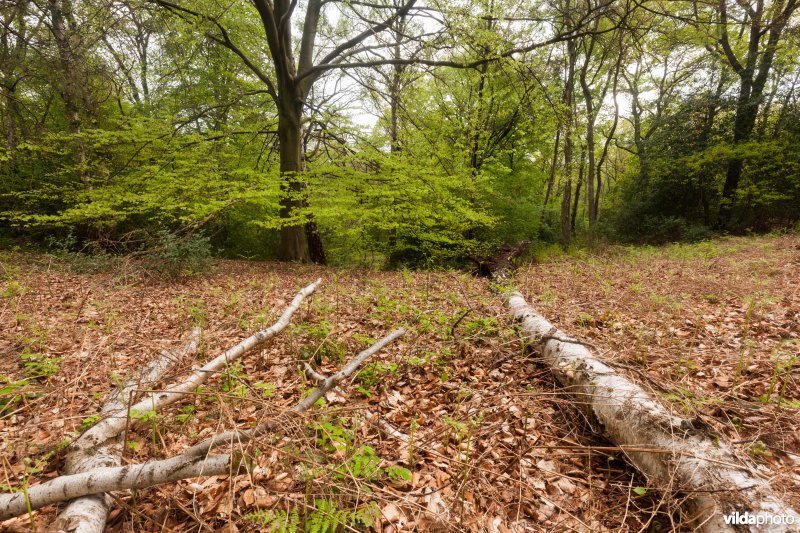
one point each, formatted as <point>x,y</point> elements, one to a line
<point>192,463</point>
<point>89,513</point>
<point>716,481</point>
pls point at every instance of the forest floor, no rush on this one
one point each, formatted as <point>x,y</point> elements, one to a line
<point>712,329</point>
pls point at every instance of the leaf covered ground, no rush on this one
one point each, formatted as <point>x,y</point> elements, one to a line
<point>489,441</point>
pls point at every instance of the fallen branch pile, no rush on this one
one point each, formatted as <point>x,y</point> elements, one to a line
<point>88,514</point>
<point>94,460</point>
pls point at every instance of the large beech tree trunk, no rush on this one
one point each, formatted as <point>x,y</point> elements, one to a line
<point>715,480</point>
<point>298,241</point>
<point>294,242</point>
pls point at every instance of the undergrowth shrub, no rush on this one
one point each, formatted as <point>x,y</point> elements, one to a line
<point>175,256</point>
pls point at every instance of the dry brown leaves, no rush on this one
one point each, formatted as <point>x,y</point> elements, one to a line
<point>488,447</point>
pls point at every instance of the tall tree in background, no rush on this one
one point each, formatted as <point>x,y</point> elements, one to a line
<point>13,49</point>
<point>747,35</point>
<point>289,82</point>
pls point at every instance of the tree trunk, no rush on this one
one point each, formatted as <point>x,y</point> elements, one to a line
<point>293,240</point>
<point>64,29</point>
<point>576,202</point>
<point>590,118</point>
<point>11,112</point>
<point>570,106</point>
<point>566,235</point>
<point>552,177</point>
<point>746,113</point>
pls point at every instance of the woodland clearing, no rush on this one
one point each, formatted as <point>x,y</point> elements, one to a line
<point>483,437</point>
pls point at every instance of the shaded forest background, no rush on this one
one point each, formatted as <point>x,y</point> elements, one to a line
<point>398,133</point>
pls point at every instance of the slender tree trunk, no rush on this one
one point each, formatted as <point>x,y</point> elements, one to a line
<point>551,179</point>
<point>566,235</point>
<point>590,118</point>
<point>787,100</point>
<point>606,145</point>
<point>762,127</point>
<point>64,29</point>
<point>11,110</point>
<point>746,112</point>
<point>576,203</point>
<point>395,86</point>
<point>638,139</point>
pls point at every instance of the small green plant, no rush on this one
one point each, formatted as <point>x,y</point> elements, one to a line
<point>657,300</point>
<point>454,428</point>
<point>363,464</point>
<point>364,340</point>
<point>275,520</point>
<point>758,449</point>
<point>375,373</point>
<point>150,417</point>
<point>783,364</point>
<point>186,414</point>
<point>688,400</point>
<point>88,422</point>
<point>12,289</point>
<point>746,343</point>
<point>333,436</point>
<point>485,326</point>
<point>267,389</point>
<point>712,298</point>
<point>397,473</point>
<point>13,392</point>
<point>173,256</point>
<point>32,467</point>
<point>324,347</point>
<point>388,309</point>
<point>584,320</point>
<point>233,381</point>
<point>328,517</point>
<point>683,367</point>
<point>39,365</point>
<point>194,309</point>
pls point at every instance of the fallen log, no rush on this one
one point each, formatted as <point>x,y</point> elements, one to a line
<point>717,483</point>
<point>89,513</point>
<point>98,446</point>
<point>114,423</point>
<point>192,463</point>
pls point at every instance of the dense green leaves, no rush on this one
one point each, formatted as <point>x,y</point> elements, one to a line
<point>128,123</point>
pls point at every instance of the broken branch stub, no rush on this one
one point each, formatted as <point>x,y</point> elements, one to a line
<point>192,463</point>
<point>716,481</point>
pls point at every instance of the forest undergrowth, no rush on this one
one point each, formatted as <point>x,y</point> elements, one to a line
<point>485,439</point>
